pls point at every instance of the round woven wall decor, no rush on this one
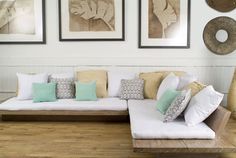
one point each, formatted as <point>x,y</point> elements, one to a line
<point>222,5</point>
<point>209,35</point>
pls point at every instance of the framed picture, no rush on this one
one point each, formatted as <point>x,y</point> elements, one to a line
<point>164,23</point>
<point>22,22</point>
<point>91,20</point>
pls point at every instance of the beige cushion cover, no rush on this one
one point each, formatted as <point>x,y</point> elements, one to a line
<point>231,96</point>
<point>152,81</point>
<point>100,76</point>
<point>195,87</point>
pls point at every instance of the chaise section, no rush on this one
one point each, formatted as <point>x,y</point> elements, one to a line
<point>64,110</point>
<point>147,123</point>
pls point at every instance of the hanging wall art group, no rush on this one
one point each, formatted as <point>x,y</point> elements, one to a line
<point>162,23</point>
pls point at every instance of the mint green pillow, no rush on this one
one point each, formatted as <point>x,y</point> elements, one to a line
<point>44,92</point>
<point>166,99</point>
<point>86,91</point>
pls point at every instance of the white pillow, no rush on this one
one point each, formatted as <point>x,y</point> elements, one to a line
<point>114,81</point>
<point>202,105</point>
<point>185,80</point>
<point>62,75</point>
<point>25,82</point>
<point>170,82</point>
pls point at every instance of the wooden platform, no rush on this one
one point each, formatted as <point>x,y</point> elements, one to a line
<point>64,115</point>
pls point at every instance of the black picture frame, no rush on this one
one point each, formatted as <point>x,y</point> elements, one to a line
<point>43,27</point>
<point>63,39</point>
<point>187,46</point>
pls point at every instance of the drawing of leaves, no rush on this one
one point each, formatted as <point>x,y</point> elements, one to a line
<point>101,10</point>
<point>165,13</point>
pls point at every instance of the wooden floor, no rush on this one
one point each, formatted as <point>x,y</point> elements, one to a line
<point>74,140</point>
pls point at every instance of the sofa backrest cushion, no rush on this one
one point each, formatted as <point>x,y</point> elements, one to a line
<point>100,76</point>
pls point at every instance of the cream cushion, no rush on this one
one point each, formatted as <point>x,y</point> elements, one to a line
<point>202,105</point>
<point>170,82</point>
<point>25,84</point>
<point>147,123</point>
<point>66,104</point>
<point>100,76</point>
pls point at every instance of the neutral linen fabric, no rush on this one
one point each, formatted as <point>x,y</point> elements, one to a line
<point>114,81</point>
<point>66,104</point>
<point>166,73</point>
<point>185,80</point>
<point>132,89</point>
<point>100,76</point>
<point>147,123</point>
<point>152,81</point>
<point>65,87</point>
<point>195,87</point>
<point>44,92</point>
<point>178,106</point>
<point>25,84</point>
<point>202,105</point>
<point>170,82</point>
<point>86,91</point>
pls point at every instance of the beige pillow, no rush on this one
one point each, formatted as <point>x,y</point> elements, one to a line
<point>195,87</point>
<point>231,95</point>
<point>152,81</point>
<point>166,73</point>
<point>100,76</point>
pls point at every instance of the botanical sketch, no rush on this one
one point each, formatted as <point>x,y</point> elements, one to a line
<point>17,17</point>
<point>92,15</point>
<point>163,18</point>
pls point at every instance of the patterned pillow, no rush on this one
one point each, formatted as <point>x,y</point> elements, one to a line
<point>178,106</point>
<point>132,89</point>
<point>65,87</point>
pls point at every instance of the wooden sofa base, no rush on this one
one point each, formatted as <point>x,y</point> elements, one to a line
<point>64,115</point>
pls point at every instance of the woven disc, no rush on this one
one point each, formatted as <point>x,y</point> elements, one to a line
<point>222,5</point>
<point>209,35</point>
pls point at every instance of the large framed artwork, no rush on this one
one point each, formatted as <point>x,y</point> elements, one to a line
<point>22,22</point>
<point>164,23</point>
<point>91,20</point>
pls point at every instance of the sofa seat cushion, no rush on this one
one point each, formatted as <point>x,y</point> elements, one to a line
<point>102,104</point>
<point>147,123</point>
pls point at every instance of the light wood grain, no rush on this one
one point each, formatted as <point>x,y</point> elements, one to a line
<point>80,140</point>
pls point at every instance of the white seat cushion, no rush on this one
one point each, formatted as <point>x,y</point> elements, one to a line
<point>113,104</point>
<point>147,123</point>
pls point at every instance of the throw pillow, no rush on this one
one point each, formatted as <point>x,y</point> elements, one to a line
<point>86,91</point>
<point>166,99</point>
<point>65,87</point>
<point>99,76</point>
<point>178,106</point>
<point>170,82</point>
<point>195,87</point>
<point>25,84</point>
<point>152,82</point>
<point>202,105</point>
<point>114,81</point>
<point>185,80</point>
<point>44,92</point>
<point>132,89</point>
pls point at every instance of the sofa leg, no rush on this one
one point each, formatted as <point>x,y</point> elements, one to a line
<point>183,155</point>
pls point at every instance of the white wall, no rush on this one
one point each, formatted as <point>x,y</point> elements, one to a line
<point>62,56</point>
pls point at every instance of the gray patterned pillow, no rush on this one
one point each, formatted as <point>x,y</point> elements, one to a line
<point>65,87</point>
<point>132,89</point>
<point>178,106</point>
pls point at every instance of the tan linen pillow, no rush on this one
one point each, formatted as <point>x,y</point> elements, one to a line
<point>152,81</point>
<point>166,73</point>
<point>195,87</point>
<point>100,76</point>
<point>231,95</point>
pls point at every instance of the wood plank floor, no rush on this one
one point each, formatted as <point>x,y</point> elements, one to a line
<point>74,140</point>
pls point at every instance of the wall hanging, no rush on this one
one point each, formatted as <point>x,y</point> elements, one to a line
<point>222,5</point>
<point>226,24</point>
<point>22,22</point>
<point>91,20</point>
<point>164,23</point>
